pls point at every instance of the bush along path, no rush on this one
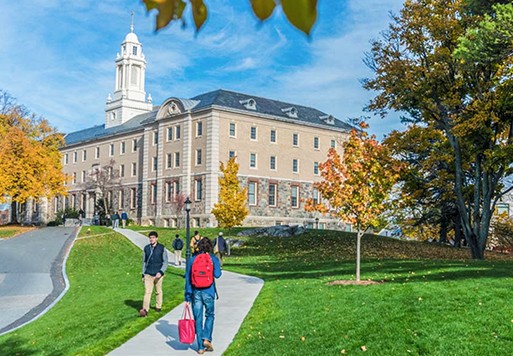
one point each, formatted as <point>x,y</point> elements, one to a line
<point>237,294</point>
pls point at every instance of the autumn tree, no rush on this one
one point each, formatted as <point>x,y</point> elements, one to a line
<point>425,66</point>
<point>177,207</point>
<point>102,180</point>
<point>355,187</point>
<point>231,209</point>
<point>302,14</point>
<point>30,160</point>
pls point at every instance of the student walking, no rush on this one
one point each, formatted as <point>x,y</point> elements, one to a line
<point>124,218</point>
<point>178,246</point>
<point>220,247</point>
<point>200,290</point>
<point>194,242</point>
<point>153,268</point>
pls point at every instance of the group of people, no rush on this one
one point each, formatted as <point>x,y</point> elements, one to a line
<point>200,288</point>
<point>116,216</point>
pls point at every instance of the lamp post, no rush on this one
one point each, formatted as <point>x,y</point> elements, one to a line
<point>187,231</point>
<point>317,223</point>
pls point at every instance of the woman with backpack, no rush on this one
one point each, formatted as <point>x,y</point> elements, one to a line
<point>200,290</point>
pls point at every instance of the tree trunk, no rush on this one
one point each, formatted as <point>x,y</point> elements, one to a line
<point>476,251</point>
<point>358,244</point>
<point>444,226</point>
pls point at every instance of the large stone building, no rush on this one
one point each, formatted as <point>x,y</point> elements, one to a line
<point>176,147</point>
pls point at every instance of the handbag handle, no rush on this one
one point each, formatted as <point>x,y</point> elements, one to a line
<point>186,312</point>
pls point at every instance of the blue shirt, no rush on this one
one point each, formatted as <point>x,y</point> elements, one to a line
<point>189,288</point>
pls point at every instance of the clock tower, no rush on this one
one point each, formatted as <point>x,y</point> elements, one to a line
<point>129,97</point>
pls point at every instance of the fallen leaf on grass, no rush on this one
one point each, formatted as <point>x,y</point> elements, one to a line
<point>363,348</point>
<point>303,338</point>
<point>343,351</point>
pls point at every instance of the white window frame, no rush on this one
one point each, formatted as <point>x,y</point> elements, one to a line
<point>252,196</point>
<point>253,164</point>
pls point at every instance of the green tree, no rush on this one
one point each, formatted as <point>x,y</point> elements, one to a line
<point>302,14</point>
<point>356,186</point>
<point>231,209</point>
<point>422,68</point>
<point>30,160</point>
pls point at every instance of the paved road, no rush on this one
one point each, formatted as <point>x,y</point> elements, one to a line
<point>31,274</point>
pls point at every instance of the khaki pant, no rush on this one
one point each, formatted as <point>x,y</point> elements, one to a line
<point>149,283</point>
<point>219,256</point>
<point>178,257</point>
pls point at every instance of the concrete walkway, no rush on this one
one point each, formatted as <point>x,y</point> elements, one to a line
<point>237,294</point>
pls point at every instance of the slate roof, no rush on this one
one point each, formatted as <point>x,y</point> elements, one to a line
<point>219,98</point>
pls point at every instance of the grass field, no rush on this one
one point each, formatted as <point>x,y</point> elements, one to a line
<point>100,310</point>
<point>431,300</point>
<point>9,231</point>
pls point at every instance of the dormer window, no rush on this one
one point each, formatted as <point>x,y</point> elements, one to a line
<point>291,112</point>
<point>330,120</point>
<point>249,103</point>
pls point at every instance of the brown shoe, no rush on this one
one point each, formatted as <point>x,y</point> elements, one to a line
<point>208,345</point>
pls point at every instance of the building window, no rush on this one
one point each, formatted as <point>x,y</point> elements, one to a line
<point>73,200</point>
<point>253,133</point>
<point>84,155</point>
<point>169,192</point>
<point>252,193</point>
<point>176,185</point>
<point>316,143</point>
<point>155,138</point>
<point>332,144</point>
<point>295,139</point>
<point>83,179</point>
<point>134,145</point>
<point>66,158</point>
<point>315,196</point>
<point>273,136</point>
<point>169,133</point>
<point>177,132</point>
<point>122,170</point>
<point>121,198</point>
<point>198,157</point>
<point>273,191</point>
<point>111,150</point>
<point>74,178</point>
<point>199,129</point>
<point>316,168</point>
<point>272,163</point>
<point>294,194</point>
<point>177,159</point>
<point>155,164</point>
<point>110,172</point>
<point>134,50</point>
<point>153,193</point>
<point>295,165</point>
<point>75,156</point>
<point>134,169</point>
<point>133,198</point>
<point>232,129</point>
<point>169,160</point>
<point>97,154</point>
<point>231,154</point>
<point>198,186</point>
<point>252,160</point>
<point>122,148</point>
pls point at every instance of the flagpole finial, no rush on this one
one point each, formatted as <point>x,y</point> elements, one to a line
<point>132,21</point>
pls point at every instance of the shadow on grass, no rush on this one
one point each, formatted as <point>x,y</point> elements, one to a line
<point>390,270</point>
<point>16,345</point>
<point>135,304</point>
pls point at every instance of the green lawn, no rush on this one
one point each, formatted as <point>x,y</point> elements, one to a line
<point>425,306</point>
<point>9,231</point>
<point>100,310</point>
<point>433,300</point>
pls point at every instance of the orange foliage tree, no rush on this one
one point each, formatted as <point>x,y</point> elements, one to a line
<point>355,187</point>
<point>30,160</point>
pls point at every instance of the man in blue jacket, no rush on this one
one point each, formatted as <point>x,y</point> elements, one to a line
<point>202,298</point>
<point>154,265</point>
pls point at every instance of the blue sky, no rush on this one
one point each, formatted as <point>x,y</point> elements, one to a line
<point>57,57</point>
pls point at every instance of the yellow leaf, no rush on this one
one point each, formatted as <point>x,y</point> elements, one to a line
<point>263,8</point>
<point>199,13</point>
<point>301,13</point>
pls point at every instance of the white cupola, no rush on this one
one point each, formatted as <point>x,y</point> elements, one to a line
<point>129,98</point>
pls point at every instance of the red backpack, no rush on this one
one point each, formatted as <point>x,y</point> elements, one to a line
<point>202,271</point>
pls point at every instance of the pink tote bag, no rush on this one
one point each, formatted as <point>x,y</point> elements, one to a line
<point>186,328</point>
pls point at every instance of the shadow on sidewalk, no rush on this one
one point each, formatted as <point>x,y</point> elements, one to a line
<point>170,331</point>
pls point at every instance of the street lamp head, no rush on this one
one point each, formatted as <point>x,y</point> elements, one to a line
<point>316,220</point>
<point>187,204</point>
